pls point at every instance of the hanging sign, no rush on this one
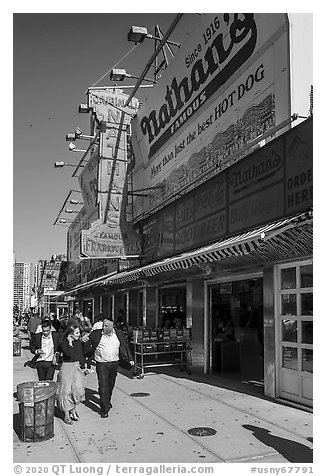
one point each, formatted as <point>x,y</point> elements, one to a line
<point>105,102</point>
<point>112,235</point>
<point>105,241</point>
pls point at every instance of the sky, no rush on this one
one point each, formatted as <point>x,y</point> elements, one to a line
<point>56,57</point>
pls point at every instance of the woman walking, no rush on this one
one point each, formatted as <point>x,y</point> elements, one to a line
<point>71,378</point>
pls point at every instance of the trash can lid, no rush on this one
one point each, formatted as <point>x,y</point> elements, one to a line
<point>36,391</point>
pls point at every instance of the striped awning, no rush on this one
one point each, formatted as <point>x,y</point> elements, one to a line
<point>277,240</point>
<point>89,284</point>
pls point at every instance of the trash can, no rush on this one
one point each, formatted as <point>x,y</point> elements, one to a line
<point>36,410</point>
<point>17,346</point>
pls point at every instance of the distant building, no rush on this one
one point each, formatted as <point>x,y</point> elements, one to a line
<point>49,283</point>
<point>23,284</point>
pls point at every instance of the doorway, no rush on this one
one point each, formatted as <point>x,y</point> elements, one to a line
<point>237,329</point>
<point>172,307</point>
<point>88,309</point>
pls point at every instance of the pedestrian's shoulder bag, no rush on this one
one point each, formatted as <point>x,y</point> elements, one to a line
<point>31,363</point>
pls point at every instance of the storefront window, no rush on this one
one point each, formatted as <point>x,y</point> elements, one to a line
<point>288,278</point>
<point>306,304</point>
<point>307,332</point>
<point>307,360</point>
<point>289,330</point>
<point>289,304</point>
<point>290,358</point>
<point>306,276</point>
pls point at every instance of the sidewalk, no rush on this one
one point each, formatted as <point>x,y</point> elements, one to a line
<point>154,428</point>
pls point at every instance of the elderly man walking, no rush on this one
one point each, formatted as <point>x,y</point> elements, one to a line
<point>110,350</point>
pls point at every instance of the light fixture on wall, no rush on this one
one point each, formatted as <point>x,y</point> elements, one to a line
<point>137,34</point>
<point>78,134</point>
<point>59,165</point>
<point>75,202</point>
<point>62,222</point>
<point>72,148</point>
<point>121,75</point>
<point>84,109</point>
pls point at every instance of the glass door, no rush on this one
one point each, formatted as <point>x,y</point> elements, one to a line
<point>294,333</point>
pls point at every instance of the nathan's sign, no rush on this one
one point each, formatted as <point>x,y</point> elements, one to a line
<point>234,40</point>
<point>228,84</point>
<point>110,242</point>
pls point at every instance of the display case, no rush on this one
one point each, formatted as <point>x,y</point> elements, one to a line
<point>162,353</point>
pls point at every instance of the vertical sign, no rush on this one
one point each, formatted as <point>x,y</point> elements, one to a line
<point>299,179</point>
<point>112,236</point>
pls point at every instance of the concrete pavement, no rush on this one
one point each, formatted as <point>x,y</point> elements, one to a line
<point>154,428</point>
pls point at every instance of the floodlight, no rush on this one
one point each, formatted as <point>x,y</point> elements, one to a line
<point>83,109</point>
<point>70,137</point>
<point>121,74</point>
<point>63,164</point>
<point>137,34</point>
<point>75,202</point>
<point>118,74</point>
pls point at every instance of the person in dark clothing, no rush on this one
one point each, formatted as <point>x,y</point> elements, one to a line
<point>110,349</point>
<point>120,321</point>
<point>57,324</point>
<point>45,345</point>
<point>32,325</point>
<point>71,378</point>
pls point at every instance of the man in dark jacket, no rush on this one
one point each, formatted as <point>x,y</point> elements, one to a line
<point>110,350</point>
<point>45,345</point>
<point>32,325</point>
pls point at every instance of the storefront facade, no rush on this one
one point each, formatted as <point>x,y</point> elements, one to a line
<point>257,283</point>
<point>223,236</point>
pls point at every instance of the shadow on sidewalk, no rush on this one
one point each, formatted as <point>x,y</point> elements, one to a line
<point>292,451</point>
<point>92,401</point>
<point>229,382</point>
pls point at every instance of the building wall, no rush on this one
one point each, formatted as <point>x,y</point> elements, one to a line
<point>195,313</point>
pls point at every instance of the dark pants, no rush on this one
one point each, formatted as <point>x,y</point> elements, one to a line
<point>88,362</point>
<point>45,370</point>
<point>106,374</point>
<point>31,339</point>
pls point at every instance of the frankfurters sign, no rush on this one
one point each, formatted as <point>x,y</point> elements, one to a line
<point>228,84</point>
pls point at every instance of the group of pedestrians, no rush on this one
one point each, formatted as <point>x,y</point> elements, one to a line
<point>74,349</point>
